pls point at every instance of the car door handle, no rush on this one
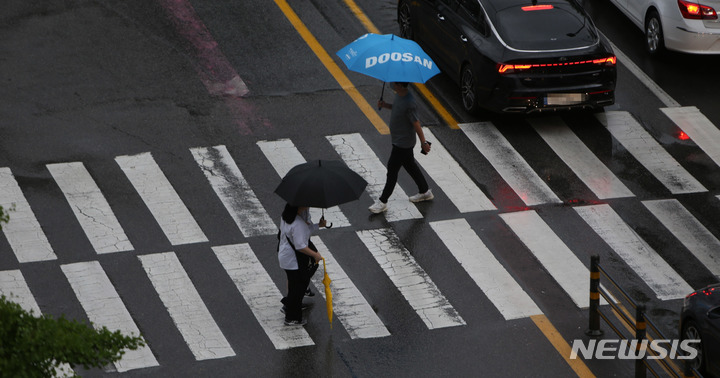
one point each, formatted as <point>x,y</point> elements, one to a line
<point>440,17</point>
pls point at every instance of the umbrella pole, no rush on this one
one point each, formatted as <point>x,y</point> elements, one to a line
<point>382,94</point>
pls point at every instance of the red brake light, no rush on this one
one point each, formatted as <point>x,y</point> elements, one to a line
<point>694,11</point>
<point>537,7</point>
<point>512,68</point>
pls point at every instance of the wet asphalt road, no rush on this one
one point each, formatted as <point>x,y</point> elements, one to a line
<point>89,81</point>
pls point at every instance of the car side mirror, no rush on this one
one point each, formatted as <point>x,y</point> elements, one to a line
<point>714,313</point>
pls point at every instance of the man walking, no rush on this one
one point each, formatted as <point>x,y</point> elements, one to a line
<point>404,125</point>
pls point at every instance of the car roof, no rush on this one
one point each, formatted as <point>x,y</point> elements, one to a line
<point>569,29</point>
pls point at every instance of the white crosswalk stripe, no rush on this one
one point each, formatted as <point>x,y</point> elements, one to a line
<point>161,199</point>
<point>452,179</point>
<point>104,307</point>
<point>350,306</point>
<point>693,235</point>
<point>553,254</point>
<point>23,231</point>
<point>624,127</point>
<point>185,306</point>
<point>511,166</point>
<point>261,294</point>
<point>234,191</point>
<point>283,155</point>
<point>656,272</point>
<point>579,158</point>
<point>412,281</point>
<point>487,272</point>
<point>90,207</point>
<point>361,158</point>
<point>15,289</point>
<point>703,132</point>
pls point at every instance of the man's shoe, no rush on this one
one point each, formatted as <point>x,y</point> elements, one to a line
<point>378,207</point>
<point>427,196</point>
<point>295,322</point>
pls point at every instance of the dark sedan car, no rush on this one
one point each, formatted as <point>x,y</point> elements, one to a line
<point>515,55</point>
<point>700,320</point>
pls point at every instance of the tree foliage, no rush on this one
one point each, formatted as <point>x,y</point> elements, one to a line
<point>33,346</point>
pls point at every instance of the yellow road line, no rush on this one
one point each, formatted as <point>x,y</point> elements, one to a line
<point>552,334</point>
<point>335,71</point>
<point>429,97</point>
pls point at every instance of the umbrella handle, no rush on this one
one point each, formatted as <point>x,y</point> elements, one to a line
<point>381,95</point>
<point>323,217</point>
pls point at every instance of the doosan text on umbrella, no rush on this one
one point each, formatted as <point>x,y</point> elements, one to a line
<point>397,57</point>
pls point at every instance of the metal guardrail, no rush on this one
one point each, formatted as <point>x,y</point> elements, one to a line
<point>640,326</point>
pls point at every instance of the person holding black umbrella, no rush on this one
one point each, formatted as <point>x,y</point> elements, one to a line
<point>298,257</point>
<point>404,125</point>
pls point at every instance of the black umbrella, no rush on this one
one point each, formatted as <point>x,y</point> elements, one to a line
<point>321,183</point>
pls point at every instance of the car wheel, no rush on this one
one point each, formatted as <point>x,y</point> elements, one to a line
<point>405,20</point>
<point>654,37</point>
<point>691,332</point>
<point>468,89</point>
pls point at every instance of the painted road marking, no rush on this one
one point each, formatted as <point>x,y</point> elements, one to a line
<point>349,305</point>
<point>562,264</point>
<point>491,277</point>
<point>361,159</point>
<point>261,294</point>
<point>655,271</point>
<point>452,179</point>
<point>186,308</point>
<point>233,190</point>
<point>161,199</point>
<point>333,68</point>
<point>14,287</point>
<point>23,231</point>
<point>511,166</point>
<point>629,132</point>
<point>579,158</point>
<point>104,307</point>
<point>90,207</point>
<point>694,236</point>
<point>410,278</point>
<point>698,128</point>
<point>283,155</point>
<point>562,347</point>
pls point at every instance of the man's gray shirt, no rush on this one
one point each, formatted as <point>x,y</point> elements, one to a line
<point>404,114</point>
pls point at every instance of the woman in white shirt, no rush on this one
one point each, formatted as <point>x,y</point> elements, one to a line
<point>298,257</point>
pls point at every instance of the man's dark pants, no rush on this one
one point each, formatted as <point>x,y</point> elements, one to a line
<point>402,157</point>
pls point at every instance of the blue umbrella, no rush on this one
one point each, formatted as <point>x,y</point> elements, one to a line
<point>389,58</point>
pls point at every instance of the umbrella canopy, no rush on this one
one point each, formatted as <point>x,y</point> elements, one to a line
<point>321,183</point>
<point>389,58</point>
<point>328,294</point>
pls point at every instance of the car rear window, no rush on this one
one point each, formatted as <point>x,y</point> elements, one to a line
<point>545,26</point>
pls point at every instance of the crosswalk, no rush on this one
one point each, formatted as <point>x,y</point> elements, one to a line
<point>481,261</point>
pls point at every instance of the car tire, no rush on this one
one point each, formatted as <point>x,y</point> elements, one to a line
<point>691,331</point>
<point>468,89</point>
<point>654,37</point>
<point>405,20</point>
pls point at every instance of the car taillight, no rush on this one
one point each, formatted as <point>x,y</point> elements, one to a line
<point>537,7</point>
<point>513,68</point>
<point>695,11</point>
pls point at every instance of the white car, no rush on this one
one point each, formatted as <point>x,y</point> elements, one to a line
<point>680,25</point>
